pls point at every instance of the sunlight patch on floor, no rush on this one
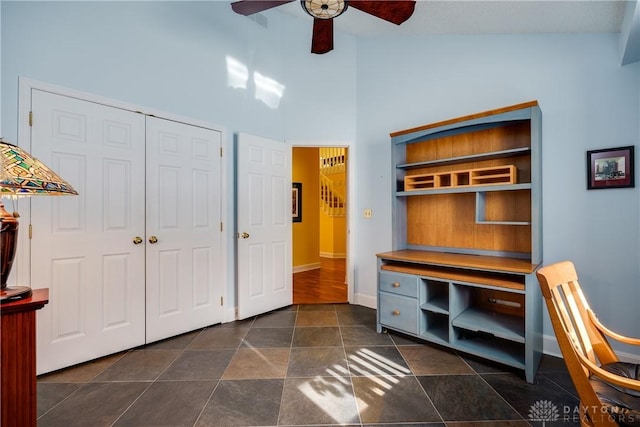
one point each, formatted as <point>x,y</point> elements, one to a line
<point>381,371</point>
<point>331,395</point>
<point>393,367</point>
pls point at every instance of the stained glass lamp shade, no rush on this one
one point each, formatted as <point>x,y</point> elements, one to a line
<point>21,175</point>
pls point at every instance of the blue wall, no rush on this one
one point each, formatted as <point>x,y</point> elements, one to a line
<point>171,57</point>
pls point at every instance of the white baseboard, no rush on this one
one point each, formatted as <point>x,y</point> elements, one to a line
<point>550,347</point>
<point>365,300</point>
<point>306,267</point>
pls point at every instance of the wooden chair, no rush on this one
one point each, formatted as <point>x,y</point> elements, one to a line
<point>609,389</point>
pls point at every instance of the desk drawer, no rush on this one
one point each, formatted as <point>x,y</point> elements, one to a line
<point>399,312</point>
<point>401,284</point>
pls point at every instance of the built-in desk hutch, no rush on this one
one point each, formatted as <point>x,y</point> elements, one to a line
<point>467,233</point>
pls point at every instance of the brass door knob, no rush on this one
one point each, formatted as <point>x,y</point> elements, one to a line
<point>153,239</point>
<point>244,235</point>
<point>396,285</point>
<point>396,312</point>
<point>137,240</point>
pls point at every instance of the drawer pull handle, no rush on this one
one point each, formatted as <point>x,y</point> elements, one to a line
<point>396,285</point>
<point>396,312</point>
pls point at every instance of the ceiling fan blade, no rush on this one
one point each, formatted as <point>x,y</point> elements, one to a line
<point>249,7</point>
<point>322,41</point>
<point>393,11</point>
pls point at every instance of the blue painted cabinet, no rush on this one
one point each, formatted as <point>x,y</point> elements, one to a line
<point>467,236</point>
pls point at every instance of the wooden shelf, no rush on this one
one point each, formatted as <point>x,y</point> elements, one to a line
<point>473,262</point>
<point>497,324</point>
<point>437,305</point>
<point>505,175</point>
<point>503,351</point>
<point>501,154</point>
<point>464,189</point>
<point>459,276</point>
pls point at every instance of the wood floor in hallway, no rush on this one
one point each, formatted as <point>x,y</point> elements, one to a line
<point>326,284</point>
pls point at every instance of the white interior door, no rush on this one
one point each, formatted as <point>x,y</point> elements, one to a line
<point>264,259</point>
<point>82,247</point>
<point>184,289</point>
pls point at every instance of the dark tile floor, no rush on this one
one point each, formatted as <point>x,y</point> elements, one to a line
<point>311,365</point>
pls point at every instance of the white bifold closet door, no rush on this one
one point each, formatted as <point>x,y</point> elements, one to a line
<point>138,177</point>
<point>183,214</point>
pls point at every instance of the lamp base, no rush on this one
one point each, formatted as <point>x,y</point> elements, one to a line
<point>11,293</point>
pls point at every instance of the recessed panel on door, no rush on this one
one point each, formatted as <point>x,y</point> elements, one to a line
<point>136,256</point>
<point>183,228</point>
<point>263,174</point>
<point>67,278</point>
<point>82,246</point>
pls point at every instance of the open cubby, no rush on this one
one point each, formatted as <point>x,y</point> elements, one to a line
<point>487,346</point>
<point>467,236</point>
<point>493,312</point>
<point>506,174</point>
<point>435,297</point>
<point>435,327</point>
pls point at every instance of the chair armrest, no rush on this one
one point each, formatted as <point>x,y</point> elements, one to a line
<point>608,332</point>
<point>608,376</point>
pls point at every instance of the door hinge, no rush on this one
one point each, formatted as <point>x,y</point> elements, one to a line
<point>222,301</point>
<point>30,231</point>
<point>221,227</point>
<point>220,151</point>
<point>30,118</point>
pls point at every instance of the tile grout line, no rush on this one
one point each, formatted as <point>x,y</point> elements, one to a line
<point>286,374</point>
<point>214,388</point>
<point>181,352</point>
<point>415,377</point>
<point>346,359</point>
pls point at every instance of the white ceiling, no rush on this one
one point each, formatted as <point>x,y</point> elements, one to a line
<point>485,17</point>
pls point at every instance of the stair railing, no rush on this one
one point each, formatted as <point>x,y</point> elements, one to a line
<point>332,199</point>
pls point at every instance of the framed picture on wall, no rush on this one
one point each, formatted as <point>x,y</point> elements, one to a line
<point>610,168</point>
<point>296,201</point>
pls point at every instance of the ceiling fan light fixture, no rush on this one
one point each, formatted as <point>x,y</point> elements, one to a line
<point>324,9</point>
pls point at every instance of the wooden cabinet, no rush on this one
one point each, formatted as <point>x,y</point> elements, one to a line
<point>18,367</point>
<point>467,236</point>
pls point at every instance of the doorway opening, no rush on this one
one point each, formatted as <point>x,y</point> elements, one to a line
<point>319,225</point>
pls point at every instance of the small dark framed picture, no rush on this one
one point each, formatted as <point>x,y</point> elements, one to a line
<point>296,201</point>
<point>610,168</point>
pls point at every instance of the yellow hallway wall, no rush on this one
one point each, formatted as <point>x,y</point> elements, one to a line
<point>333,236</point>
<point>306,239</point>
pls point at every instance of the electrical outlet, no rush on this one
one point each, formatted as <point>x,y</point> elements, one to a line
<point>368,213</point>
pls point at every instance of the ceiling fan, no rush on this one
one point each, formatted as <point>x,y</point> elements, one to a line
<point>323,12</point>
